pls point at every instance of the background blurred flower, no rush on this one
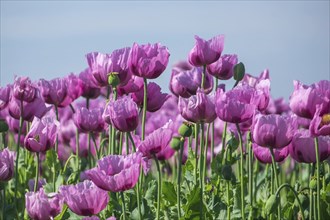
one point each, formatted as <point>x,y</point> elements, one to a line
<point>89,120</point>
<point>4,96</point>
<point>7,164</point>
<point>23,89</point>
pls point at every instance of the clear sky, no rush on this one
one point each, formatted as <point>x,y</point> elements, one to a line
<point>48,39</point>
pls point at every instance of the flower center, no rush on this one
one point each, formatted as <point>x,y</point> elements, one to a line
<point>325,119</point>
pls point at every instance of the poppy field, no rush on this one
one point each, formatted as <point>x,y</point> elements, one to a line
<point>107,143</point>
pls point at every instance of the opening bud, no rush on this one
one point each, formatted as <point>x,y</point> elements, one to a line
<point>113,79</point>
<point>186,129</point>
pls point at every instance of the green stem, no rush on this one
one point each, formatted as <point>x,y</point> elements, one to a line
<point>276,178</point>
<point>196,151</point>
<point>144,110</point>
<point>113,130</point>
<point>56,152</point>
<point>201,175</point>
<point>159,187</point>
<point>132,141</point>
<point>203,77</point>
<point>4,201</point>
<point>318,177</point>
<point>205,151</point>
<point>250,154</point>
<point>127,144</point>
<point>37,173</point>
<point>212,145</point>
<point>312,169</point>
<point>77,151</point>
<point>179,179</point>
<point>228,200</point>
<point>120,143</point>
<point>98,150</point>
<point>295,194</point>
<point>109,140</point>
<point>242,171</point>
<point>17,153</point>
<point>89,150</point>
<point>224,134</point>
<point>123,204</point>
<point>67,163</point>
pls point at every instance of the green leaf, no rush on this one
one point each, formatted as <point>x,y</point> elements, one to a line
<point>63,214</point>
<point>169,193</point>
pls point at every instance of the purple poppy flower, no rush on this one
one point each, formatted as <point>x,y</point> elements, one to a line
<point>89,120</point>
<point>74,89</point>
<point>84,198</point>
<point>223,68</point>
<point>6,164</point>
<point>101,65</point>
<point>4,96</point>
<point>148,61</point>
<point>156,141</point>
<point>122,113</point>
<point>134,84</point>
<point>273,131</point>
<point>277,106</point>
<point>30,109</point>
<point>320,124</point>
<point>253,80</point>
<point>302,148</point>
<point>186,82</point>
<point>42,134</point>
<point>198,108</point>
<point>236,105</point>
<point>40,206</point>
<point>54,91</point>
<point>155,98</point>
<point>116,173</point>
<point>89,85</point>
<point>304,99</point>
<point>206,52</point>
<point>14,125</point>
<point>23,89</point>
<point>264,156</point>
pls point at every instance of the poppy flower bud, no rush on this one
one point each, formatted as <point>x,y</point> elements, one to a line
<point>185,130</point>
<point>113,79</point>
<point>239,71</point>
<point>176,142</point>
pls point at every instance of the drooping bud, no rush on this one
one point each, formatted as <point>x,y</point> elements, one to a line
<point>3,126</point>
<point>239,71</point>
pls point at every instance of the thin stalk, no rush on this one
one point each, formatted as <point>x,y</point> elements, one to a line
<point>159,187</point>
<point>318,178</point>
<point>212,144</point>
<point>77,151</point>
<point>120,143</point>
<point>203,77</point>
<point>179,179</point>
<point>242,171</point>
<point>127,144</point>
<point>314,205</point>
<point>201,163</point>
<point>276,179</point>
<point>4,201</point>
<point>4,140</point>
<point>144,109</point>
<point>17,152</point>
<point>311,174</point>
<point>196,151</point>
<point>89,150</point>
<point>224,134</point>
<point>98,150</point>
<point>56,152</point>
<point>295,194</point>
<point>37,173</point>
<point>205,151</point>
<point>123,204</point>
<point>139,182</point>
<point>109,140</point>
<point>228,200</point>
<point>250,164</point>
<point>113,130</point>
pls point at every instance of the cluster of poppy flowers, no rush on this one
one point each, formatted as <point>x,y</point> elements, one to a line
<point>112,98</point>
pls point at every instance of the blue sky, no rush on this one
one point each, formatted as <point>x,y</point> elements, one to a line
<point>50,39</point>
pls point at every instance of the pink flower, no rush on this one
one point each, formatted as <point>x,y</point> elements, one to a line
<point>23,89</point>
<point>148,61</point>
<point>206,52</point>
<point>116,173</point>
<point>223,68</point>
<point>89,120</point>
<point>7,164</point>
<point>264,156</point>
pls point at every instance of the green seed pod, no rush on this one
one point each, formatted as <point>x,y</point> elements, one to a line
<point>113,79</point>
<point>271,204</point>
<point>3,126</point>
<point>176,143</point>
<point>226,172</point>
<point>185,129</point>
